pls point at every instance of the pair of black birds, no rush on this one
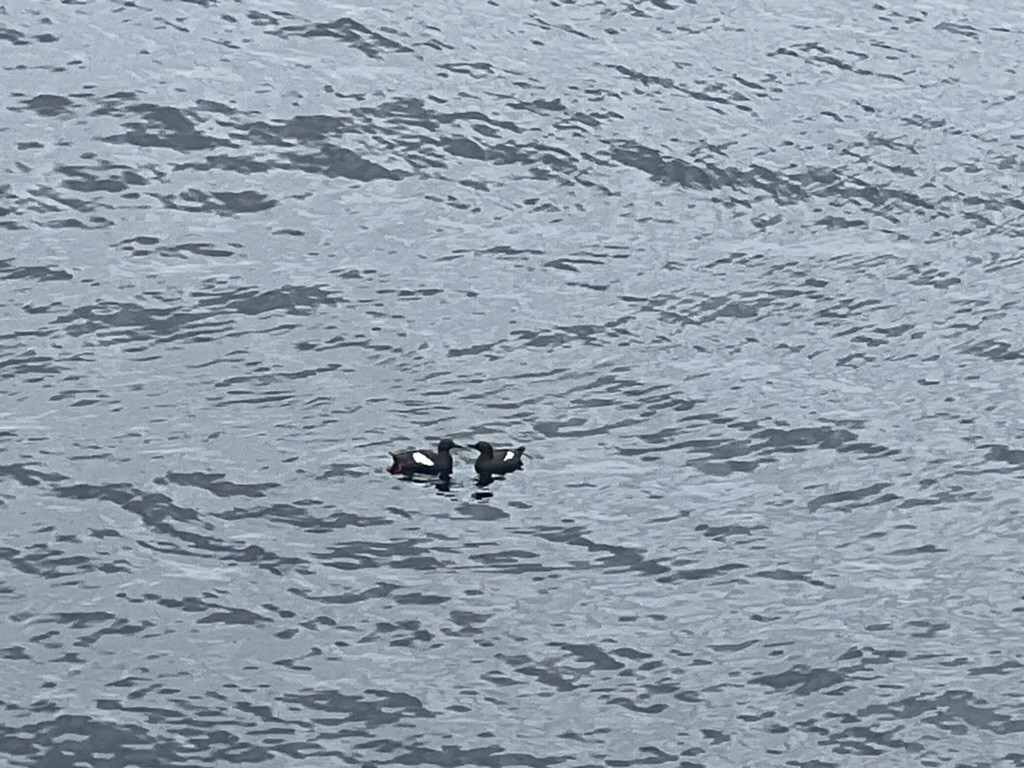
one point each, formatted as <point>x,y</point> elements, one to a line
<point>491,461</point>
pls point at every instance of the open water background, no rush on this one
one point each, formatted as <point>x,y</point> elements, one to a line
<point>744,277</point>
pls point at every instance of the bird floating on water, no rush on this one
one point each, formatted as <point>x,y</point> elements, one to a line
<point>424,462</point>
<point>497,461</point>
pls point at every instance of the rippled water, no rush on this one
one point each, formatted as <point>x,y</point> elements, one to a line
<point>744,278</point>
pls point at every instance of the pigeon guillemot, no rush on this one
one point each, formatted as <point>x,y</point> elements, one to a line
<point>425,462</point>
<point>497,461</point>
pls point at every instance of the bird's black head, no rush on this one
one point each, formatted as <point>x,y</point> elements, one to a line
<point>485,448</point>
<point>447,444</point>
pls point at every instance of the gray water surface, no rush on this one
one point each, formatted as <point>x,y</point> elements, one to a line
<point>744,278</point>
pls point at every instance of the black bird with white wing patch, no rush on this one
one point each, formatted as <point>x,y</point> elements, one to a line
<point>497,461</point>
<point>424,462</point>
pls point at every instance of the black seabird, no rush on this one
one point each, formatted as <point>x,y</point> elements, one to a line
<point>497,461</point>
<point>424,462</point>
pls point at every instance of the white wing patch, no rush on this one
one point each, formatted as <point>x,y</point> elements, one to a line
<point>509,455</point>
<point>422,458</point>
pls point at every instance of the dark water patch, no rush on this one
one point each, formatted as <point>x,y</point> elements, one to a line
<point>993,349</point>
<point>451,755</point>
<point>722,533</point>
<point>510,561</point>
<point>719,94</point>
<point>13,36</point>
<point>62,202</point>
<point>668,171</point>
<point>802,679</point>
<point>841,497</point>
<point>103,177</point>
<point>266,387</point>
<point>25,475</point>
<point>613,557</point>
<point>785,574</point>
<point>929,275</point>
<point>10,203</point>
<point>499,254</point>
<point>304,515</point>
<point>68,739</point>
<point>225,162</point>
<point>474,69</point>
<point>722,468</point>
<point>199,545</point>
<point>400,635</point>
<point>343,469</point>
<point>576,262</point>
<point>949,711</point>
<point>39,273</point>
<point>48,104</point>
<point>468,623</point>
<point>476,349</point>
<point>867,657</point>
<point>778,440</point>
<point>216,484</point>
<point>700,574</point>
<point>159,127</point>
<point>222,615</point>
<point>591,655</point>
<point>293,299</point>
<point>928,629</point>
<point>421,598</point>
<point>958,29</point>
<point>571,335</point>
<point>544,159</point>
<point>222,203</point>
<point>547,674</point>
<point>126,322</point>
<point>845,60</point>
<point>954,495</point>
<point>784,188</point>
<point>413,554</point>
<point>482,512</point>
<point>1006,667</point>
<point>112,625</point>
<point>636,706</point>
<point>371,707</point>
<point>93,222</point>
<point>703,310</point>
<point>334,162</point>
<point>18,37</point>
<point>46,561</point>
<point>312,130</point>
<point>924,549</point>
<point>428,148</point>
<point>155,509</point>
<point>1005,455</point>
<point>715,455</point>
<point>539,106</point>
<point>465,148</point>
<point>215,311</point>
<point>381,589</point>
<point>143,246</point>
<point>350,32</point>
<point>864,740</point>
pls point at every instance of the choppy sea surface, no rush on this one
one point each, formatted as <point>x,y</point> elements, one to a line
<point>745,278</point>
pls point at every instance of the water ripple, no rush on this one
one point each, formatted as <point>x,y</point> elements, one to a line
<point>744,284</point>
